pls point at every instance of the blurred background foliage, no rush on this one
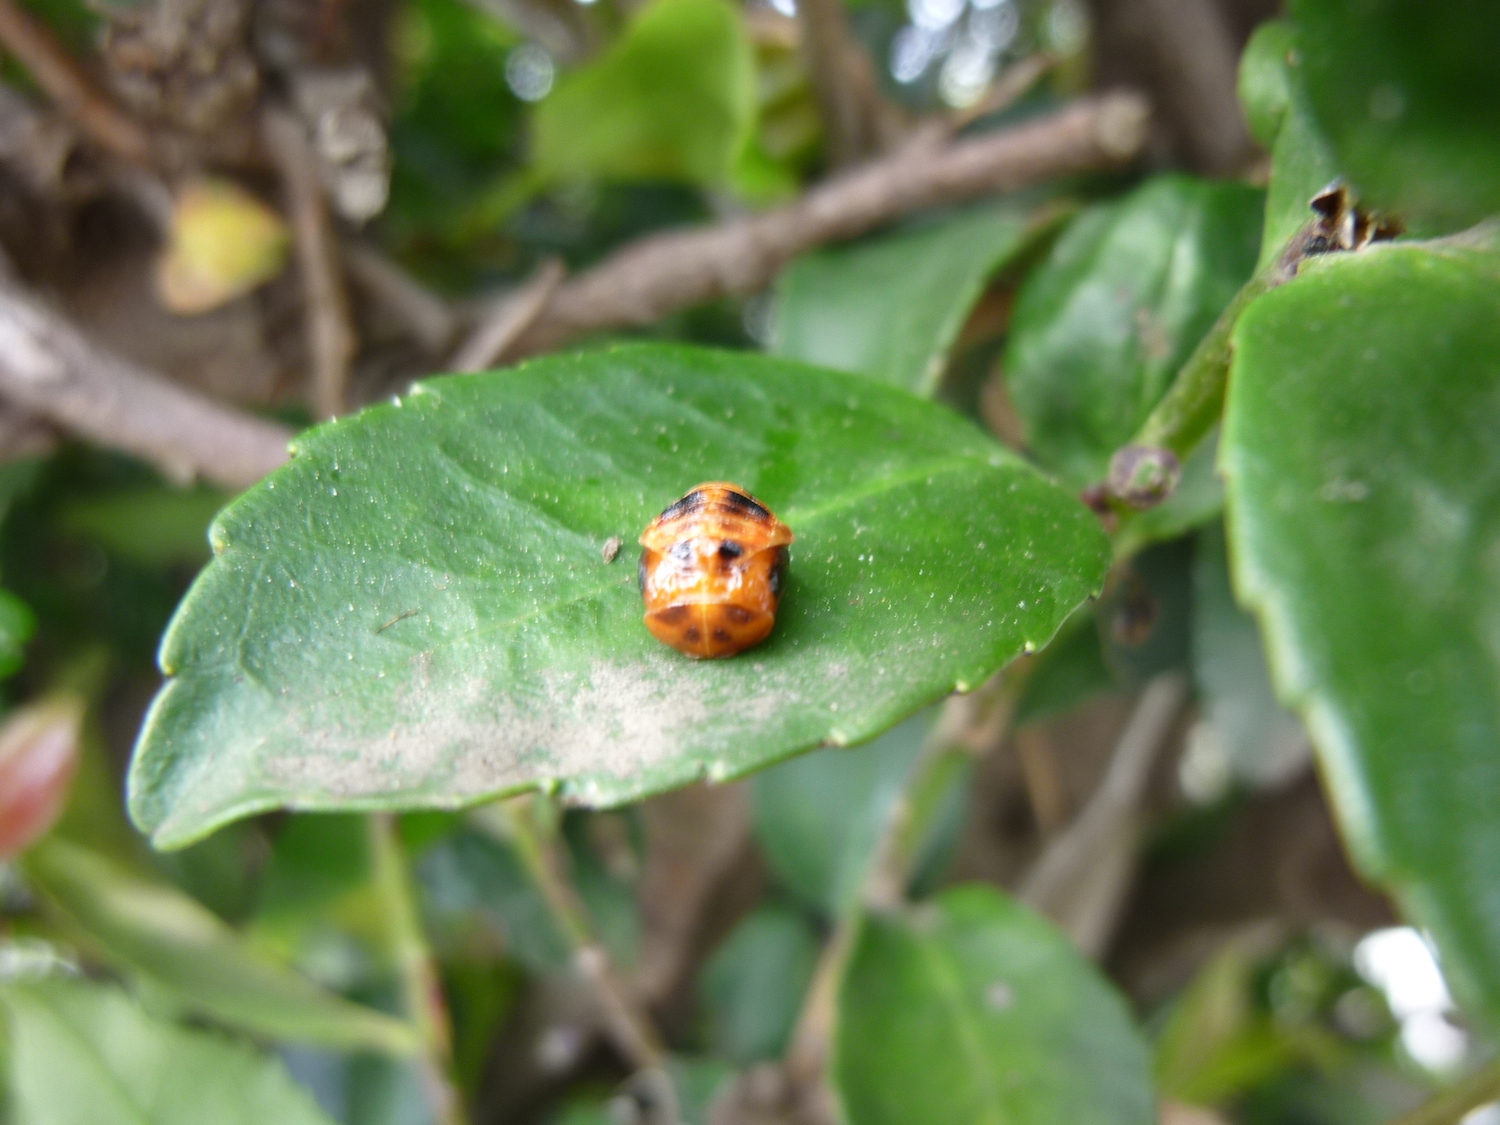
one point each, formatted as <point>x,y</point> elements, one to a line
<point>277,957</point>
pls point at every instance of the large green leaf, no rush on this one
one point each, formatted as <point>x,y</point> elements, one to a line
<point>974,1009</point>
<point>1103,325</point>
<point>84,1054</point>
<point>673,98</point>
<point>202,964</point>
<point>1364,501</point>
<point>416,611</point>
<point>892,306</point>
<point>1408,91</point>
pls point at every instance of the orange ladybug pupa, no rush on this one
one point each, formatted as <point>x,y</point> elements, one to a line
<point>711,572</point>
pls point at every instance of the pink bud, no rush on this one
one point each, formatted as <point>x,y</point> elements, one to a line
<point>38,756</point>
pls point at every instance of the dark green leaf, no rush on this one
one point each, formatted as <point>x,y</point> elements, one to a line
<point>1408,93</point>
<point>674,97</point>
<point>1103,325</point>
<point>818,817</point>
<point>202,964</point>
<point>84,1054</point>
<point>892,306</point>
<point>1362,467</point>
<point>415,611</point>
<point>753,986</point>
<point>973,1009</point>
<point>1263,743</point>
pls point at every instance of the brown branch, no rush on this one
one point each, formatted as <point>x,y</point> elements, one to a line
<point>508,319</point>
<point>331,342</point>
<point>48,367</point>
<point>58,73</point>
<point>660,274</point>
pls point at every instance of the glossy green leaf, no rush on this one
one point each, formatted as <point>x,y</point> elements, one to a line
<point>974,1009</point>
<point>1409,95</point>
<point>755,983</point>
<point>1262,741</point>
<point>201,963</point>
<point>84,1054</point>
<point>1362,467</point>
<point>818,817</point>
<point>1265,85</point>
<point>17,623</point>
<point>673,98</point>
<point>416,610</point>
<point>1102,326</point>
<point>892,306</point>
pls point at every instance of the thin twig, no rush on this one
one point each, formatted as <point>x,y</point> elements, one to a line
<point>628,1026</point>
<point>658,275</point>
<point>331,342</point>
<point>422,994</point>
<point>508,319</point>
<point>1459,1100</point>
<point>58,73</point>
<point>1081,878</point>
<point>49,367</point>
<point>429,318</point>
<point>827,49</point>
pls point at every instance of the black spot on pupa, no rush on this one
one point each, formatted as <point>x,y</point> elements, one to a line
<point>778,572</point>
<point>721,635</point>
<point>692,635</point>
<point>729,549</point>
<point>737,614</point>
<point>689,503</point>
<point>745,505</point>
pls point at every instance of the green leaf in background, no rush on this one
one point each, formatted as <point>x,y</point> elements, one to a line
<point>971,1008</point>
<point>1302,162</point>
<point>892,306</point>
<point>1068,672</point>
<point>84,1054</point>
<point>17,624</point>
<point>154,526</point>
<point>1265,85</point>
<point>416,610</point>
<point>753,986</point>
<point>201,963</point>
<point>1263,742</point>
<point>1408,92</point>
<point>673,98</point>
<point>818,817</point>
<point>1364,502</point>
<point>1102,326</point>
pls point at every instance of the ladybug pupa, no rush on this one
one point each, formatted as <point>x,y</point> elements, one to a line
<point>712,571</point>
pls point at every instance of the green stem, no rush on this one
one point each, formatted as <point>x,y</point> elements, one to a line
<point>629,1027</point>
<point>1459,1100</point>
<point>1196,398</point>
<point>422,994</point>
